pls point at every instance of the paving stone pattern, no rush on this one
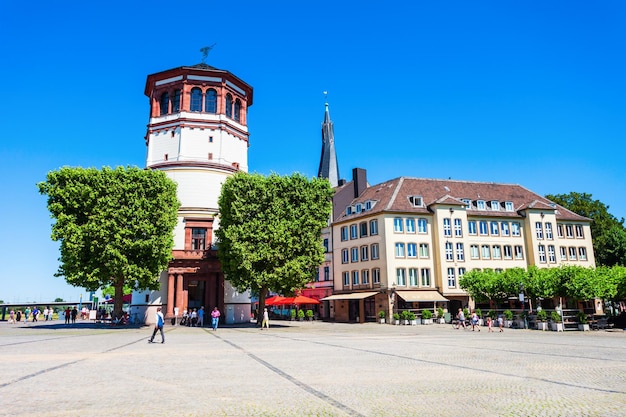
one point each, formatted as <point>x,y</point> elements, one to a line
<point>309,369</point>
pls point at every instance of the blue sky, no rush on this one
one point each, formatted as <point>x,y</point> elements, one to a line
<point>528,92</point>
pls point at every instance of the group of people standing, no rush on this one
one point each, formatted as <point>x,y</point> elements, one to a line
<point>16,315</point>
<point>193,319</point>
<point>474,321</point>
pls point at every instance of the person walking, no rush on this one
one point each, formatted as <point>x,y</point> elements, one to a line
<point>46,312</point>
<point>475,321</point>
<point>201,317</point>
<point>12,316</point>
<point>501,323</point>
<point>74,314</point>
<point>194,317</point>
<point>66,314</point>
<point>489,324</point>
<point>215,318</point>
<point>266,319</point>
<point>26,314</point>
<point>159,320</point>
<point>35,313</point>
<point>461,319</point>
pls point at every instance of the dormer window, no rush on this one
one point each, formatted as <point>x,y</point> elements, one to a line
<point>480,204</point>
<point>348,210</point>
<point>508,206</point>
<point>416,201</point>
<point>495,205</point>
<point>368,205</point>
<point>468,203</point>
<point>359,207</point>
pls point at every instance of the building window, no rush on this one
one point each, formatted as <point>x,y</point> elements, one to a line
<point>486,251</point>
<point>368,205</point>
<point>198,239</point>
<point>364,250</point>
<point>572,253</point>
<point>399,250</point>
<point>515,229</point>
<point>563,251</point>
<point>483,228</point>
<point>410,225</point>
<point>376,276</point>
<point>474,252</point>
<point>495,230</point>
<point>579,231</point>
<point>411,250</point>
<point>582,254</point>
<point>495,205</point>
<point>539,230</point>
<point>497,252</point>
<point>195,103</point>
<point>425,277</point>
<point>461,272</point>
<point>504,228</point>
<point>422,226</point>
<point>508,252</point>
<point>471,227</point>
<point>447,231</point>
<point>229,105</point>
<point>365,276</point>
<point>413,273</point>
<point>569,231</point>
<point>358,207</point>
<point>415,200</point>
<point>355,277</point>
<point>374,249</point>
<point>164,103</point>
<point>237,110</point>
<point>549,235</point>
<point>508,206</point>
<point>519,252</point>
<point>373,227</point>
<point>559,230</point>
<point>460,255</point>
<point>424,252</point>
<point>176,101</point>
<point>451,278</point>
<point>480,204</point>
<point>317,275</point>
<point>354,231</point>
<point>401,276</point>
<point>542,253</point>
<point>345,257</point>
<point>344,233</point>
<point>363,229</point>
<point>325,245</point>
<point>449,255</point>
<point>210,101</point>
<point>458,229</point>
<point>326,273</point>
<point>346,279</point>
<point>355,254</point>
<point>468,203</point>
<point>551,254</point>
<point>397,225</point>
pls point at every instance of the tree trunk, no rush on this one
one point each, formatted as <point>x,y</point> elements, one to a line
<point>118,299</point>
<point>259,313</point>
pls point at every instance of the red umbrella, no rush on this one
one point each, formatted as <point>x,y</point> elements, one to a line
<point>300,299</point>
<point>274,301</point>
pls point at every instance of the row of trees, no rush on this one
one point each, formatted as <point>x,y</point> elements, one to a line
<point>579,283</point>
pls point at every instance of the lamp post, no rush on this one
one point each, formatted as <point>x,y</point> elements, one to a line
<point>522,299</point>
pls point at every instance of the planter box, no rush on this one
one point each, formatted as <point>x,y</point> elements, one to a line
<point>441,320</point>
<point>481,322</point>
<point>381,321</point>
<point>583,327</point>
<point>427,321</point>
<point>413,322</point>
<point>542,325</point>
<point>508,323</point>
<point>557,327</point>
<point>396,322</point>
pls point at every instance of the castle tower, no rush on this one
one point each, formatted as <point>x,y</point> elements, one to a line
<point>329,168</point>
<point>198,135</point>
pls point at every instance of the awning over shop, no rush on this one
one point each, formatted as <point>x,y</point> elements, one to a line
<point>350,296</point>
<point>423,296</point>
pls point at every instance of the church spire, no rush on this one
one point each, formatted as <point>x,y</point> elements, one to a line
<point>329,168</point>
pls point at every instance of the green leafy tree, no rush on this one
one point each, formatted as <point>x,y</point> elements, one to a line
<point>58,300</point>
<point>115,226</point>
<point>606,229</point>
<point>269,238</point>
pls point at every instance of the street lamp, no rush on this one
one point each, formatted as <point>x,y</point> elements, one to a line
<point>522,299</point>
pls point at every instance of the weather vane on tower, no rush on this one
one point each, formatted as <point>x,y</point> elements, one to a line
<point>205,52</point>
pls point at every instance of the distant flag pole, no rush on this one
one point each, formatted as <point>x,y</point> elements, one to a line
<point>205,52</point>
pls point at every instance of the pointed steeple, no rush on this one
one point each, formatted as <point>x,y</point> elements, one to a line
<point>329,168</point>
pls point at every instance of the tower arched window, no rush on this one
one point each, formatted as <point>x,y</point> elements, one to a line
<point>164,103</point>
<point>210,101</point>
<point>229,105</point>
<point>237,110</point>
<point>196,99</point>
<point>176,102</point>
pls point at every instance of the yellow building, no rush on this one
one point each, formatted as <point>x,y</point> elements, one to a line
<point>409,240</point>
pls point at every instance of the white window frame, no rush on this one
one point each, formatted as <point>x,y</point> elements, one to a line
<point>497,252</point>
<point>410,225</point>
<point>504,228</point>
<point>541,251</point>
<point>354,231</point>
<point>485,252</point>
<point>494,228</point>
<point>582,253</point>
<point>539,230</point>
<point>401,277</point>
<point>354,254</point>
<point>474,251</point>
<point>355,277</point>
<point>471,228</point>
<point>411,250</point>
<point>425,277</point>
<point>345,256</point>
<point>374,251</point>
<point>548,227</point>
<point>449,252</point>
<point>451,278</point>
<point>398,225</point>
<point>422,226</point>
<point>551,254</point>
<point>460,252</point>
<point>413,277</point>
<point>400,250</point>
<point>458,228</point>
<point>508,206</point>
<point>376,275</point>
<point>447,229</point>
<point>480,205</point>
<point>516,229</point>
<point>424,250</point>
<point>365,276</point>
<point>364,253</point>
<point>519,251</point>
<point>346,278</point>
<point>374,227</point>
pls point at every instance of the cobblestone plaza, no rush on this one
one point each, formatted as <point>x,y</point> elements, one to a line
<point>309,369</point>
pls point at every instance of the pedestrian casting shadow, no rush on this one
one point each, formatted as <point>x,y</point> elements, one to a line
<point>78,325</point>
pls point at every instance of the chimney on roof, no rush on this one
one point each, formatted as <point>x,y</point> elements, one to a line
<point>342,182</point>
<point>359,176</point>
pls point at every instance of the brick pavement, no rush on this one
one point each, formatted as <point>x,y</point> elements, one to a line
<point>310,369</point>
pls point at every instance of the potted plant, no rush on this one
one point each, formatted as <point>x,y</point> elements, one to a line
<point>293,314</point>
<point>300,315</point>
<point>381,316</point>
<point>557,323</point>
<point>309,315</point>
<point>427,317</point>
<point>542,318</point>
<point>405,317</point>
<point>440,316</point>
<point>479,313</point>
<point>412,318</point>
<point>508,318</point>
<point>396,318</point>
<point>582,321</point>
